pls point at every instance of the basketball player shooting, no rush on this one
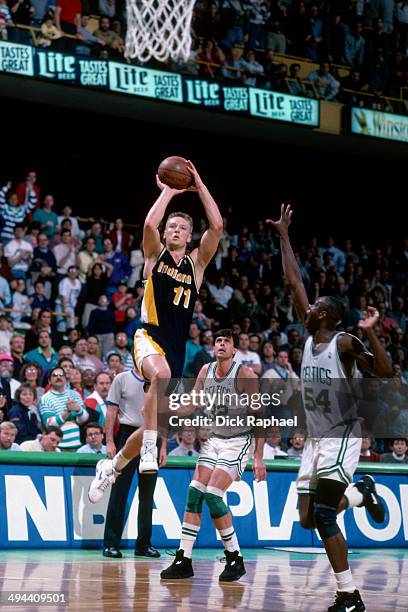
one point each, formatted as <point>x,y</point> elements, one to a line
<point>173,279</point>
<point>332,451</point>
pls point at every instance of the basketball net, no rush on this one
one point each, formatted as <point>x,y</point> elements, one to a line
<point>158,29</point>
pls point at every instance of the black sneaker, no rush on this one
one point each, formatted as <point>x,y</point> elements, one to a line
<point>180,568</point>
<point>371,500</point>
<point>234,567</point>
<point>347,602</point>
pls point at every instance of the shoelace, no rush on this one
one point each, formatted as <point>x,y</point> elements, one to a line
<point>104,484</point>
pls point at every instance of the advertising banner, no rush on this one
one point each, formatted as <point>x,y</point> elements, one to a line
<point>122,78</point>
<point>379,125</point>
<point>47,506</point>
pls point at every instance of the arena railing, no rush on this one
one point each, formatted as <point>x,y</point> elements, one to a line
<point>84,459</point>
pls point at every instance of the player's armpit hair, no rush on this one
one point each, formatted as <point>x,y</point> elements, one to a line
<point>215,504</point>
<point>195,497</point>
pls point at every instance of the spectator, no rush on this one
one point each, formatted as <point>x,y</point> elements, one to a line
<point>6,332</point>
<point>102,324</point>
<point>275,73</point>
<point>69,290</point>
<point>276,27</point>
<point>326,86</point>
<point>119,263</point>
<point>354,46</point>
<point>213,57</point>
<point>68,17</point>
<point>185,446</point>
<point>96,234</point>
<point>297,442</point>
<point>21,305</point>
<point>121,348</point>
<point>273,448</point>
<point>31,373</point>
<point>75,382</point>
<point>281,378</point>
<point>120,238</point>
<point>96,402</point>
<point>91,44</point>
<point>378,74</point>
<point>24,415</point>
<point>399,452</point>
<point>77,233</point>
<point>3,404</point>
<point>26,188</point>
<point>5,293</point>
<point>295,84</point>
<point>122,300</point>
<point>233,70</point>
<point>94,440</point>
<point>8,433</point>
<point>87,382</point>
<point>114,364</point>
<point>258,14</point>
<point>192,348</point>
<point>7,382</point>
<point>110,38</point>
<point>65,253</point>
<point>46,217</point>
<point>233,18</point>
<point>45,355</point>
<point>17,346</point>
<point>38,299</point>
<point>43,256</point>
<point>367,454</point>
<point>11,214</point>
<point>94,346</point>
<point>267,357</point>
<point>83,360</point>
<point>43,323</point>
<point>314,36</point>
<point>64,408</point>
<point>96,285</point>
<point>205,354</point>
<point>247,357</point>
<point>87,258</point>
<point>19,253</point>
<point>47,442</point>
<point>254,70</point>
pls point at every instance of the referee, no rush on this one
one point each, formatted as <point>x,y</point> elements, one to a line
<point>125,402</point>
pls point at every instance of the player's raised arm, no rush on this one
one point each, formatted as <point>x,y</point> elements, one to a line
<point>151,236</point>
<point>350,347</point>
<point>290,265</point>
<point>211,237</point>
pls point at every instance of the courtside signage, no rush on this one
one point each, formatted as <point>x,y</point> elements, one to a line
<point>379,125</point>
<point>17,59</point>
<point>143,82</point>
<point>47,507</point>
<point>282,107</point>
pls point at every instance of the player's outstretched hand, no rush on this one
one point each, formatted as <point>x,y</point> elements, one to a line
<point>371,316</point>
<point>282,226</point>
<point>197,183</point>
<point>259,469</point>
<point>170,190</point>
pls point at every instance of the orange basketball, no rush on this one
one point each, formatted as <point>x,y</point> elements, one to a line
<point>174,173</point>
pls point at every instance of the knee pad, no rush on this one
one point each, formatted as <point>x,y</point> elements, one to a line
<point>215,503</point>
<point>195,497</point>
<point>326,522</point>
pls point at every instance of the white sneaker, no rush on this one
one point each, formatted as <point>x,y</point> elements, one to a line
<point>148,459</point>
<point>105,476</point>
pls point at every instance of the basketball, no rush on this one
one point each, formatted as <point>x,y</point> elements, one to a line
<point>174,173</point>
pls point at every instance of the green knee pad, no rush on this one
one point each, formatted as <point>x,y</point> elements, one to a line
<point>215,505</point>
<point>195,500</point>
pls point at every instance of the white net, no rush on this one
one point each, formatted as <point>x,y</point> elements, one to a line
<point>159,29</point>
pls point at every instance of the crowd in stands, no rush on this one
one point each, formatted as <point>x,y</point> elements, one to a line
<point>70,302</point>
<point>236,41</point>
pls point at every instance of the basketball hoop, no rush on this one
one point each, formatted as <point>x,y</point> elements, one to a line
<point>158,29</point>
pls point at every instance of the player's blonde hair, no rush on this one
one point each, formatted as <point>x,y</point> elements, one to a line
<point>183,216</point>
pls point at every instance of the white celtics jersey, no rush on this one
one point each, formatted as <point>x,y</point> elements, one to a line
<point>327,394</point>
<point>227,412</point>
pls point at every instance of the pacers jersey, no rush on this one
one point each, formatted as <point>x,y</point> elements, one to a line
<point>168,304</point>
<point>227,413</point>
<point>328,400</point>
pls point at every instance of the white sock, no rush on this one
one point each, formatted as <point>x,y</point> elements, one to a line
<point>119,461</point>
<point>189,534</point>
<point>229,539</point>
<point>149,437</point>
<point>353,496</point>
<point>345,582</point>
